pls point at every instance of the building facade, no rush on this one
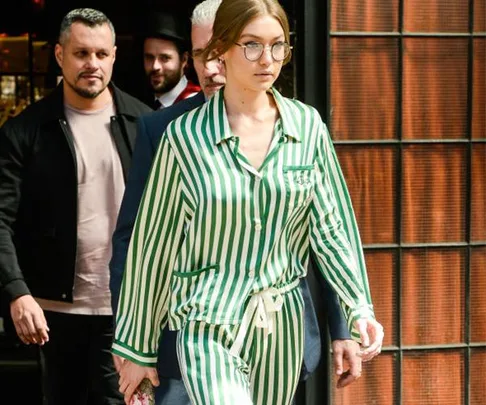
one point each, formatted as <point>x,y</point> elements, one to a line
<point>402,87</point>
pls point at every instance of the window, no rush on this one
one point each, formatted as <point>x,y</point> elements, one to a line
<point>23,62</point>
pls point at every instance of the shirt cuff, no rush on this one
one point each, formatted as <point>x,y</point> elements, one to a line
<point>142,359</point>
<point>352,315</point>
<point>14,289</point>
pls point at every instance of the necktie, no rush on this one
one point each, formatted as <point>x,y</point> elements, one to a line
<point>157,104</point>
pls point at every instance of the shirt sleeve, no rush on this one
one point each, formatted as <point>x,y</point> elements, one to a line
<point>13,151</point>
<point>158,232</point>
<point>334,234</point>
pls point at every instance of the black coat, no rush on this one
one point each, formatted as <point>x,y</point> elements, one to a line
<point>38,195</point>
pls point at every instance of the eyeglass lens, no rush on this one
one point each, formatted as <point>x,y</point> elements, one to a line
<point>279,50</point>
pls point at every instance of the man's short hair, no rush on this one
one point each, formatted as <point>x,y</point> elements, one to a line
<point>87,16</point>
<point>205,13</point>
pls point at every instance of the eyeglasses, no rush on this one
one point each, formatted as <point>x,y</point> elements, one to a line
<point>254,50</point>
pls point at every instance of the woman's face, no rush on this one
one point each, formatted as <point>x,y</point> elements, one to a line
<point>260,74</point>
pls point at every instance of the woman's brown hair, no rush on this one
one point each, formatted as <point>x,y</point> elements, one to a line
<point>233,16</point>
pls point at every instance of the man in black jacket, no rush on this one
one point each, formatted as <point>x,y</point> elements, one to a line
<point>63,165</point>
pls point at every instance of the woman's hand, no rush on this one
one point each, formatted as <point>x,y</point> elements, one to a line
<point>131,375</point>
<point>372,334</point>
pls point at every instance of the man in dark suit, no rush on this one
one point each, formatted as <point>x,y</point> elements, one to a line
<point>150,129</point>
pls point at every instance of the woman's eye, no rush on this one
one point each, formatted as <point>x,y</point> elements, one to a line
<point>253,44</point>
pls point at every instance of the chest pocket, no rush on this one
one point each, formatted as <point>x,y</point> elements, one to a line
<point>299,184</point>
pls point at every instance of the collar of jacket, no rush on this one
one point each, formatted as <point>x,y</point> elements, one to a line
<point>217,110</point>
<point>57,98</point>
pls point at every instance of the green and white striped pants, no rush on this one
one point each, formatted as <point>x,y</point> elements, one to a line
<point>255,363</point>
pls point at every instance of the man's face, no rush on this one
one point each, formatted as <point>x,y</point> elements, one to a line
<point>211,74</point>
<point>86,59</point>
<point>163,65</point>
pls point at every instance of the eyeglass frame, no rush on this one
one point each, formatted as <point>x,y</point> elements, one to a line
<point>264,48</point>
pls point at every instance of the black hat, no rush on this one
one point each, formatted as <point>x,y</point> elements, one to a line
<point>159,24</point>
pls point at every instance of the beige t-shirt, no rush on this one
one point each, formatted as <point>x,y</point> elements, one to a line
<point>100,191</point>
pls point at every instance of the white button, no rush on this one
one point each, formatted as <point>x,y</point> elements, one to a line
<point>251,273</point>
<point>258,227</point>
<point>63,296</point>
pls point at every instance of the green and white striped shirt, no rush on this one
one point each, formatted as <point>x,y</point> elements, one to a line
<point>212,230</point>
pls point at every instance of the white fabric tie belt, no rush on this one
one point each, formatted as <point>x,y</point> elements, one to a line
<point>263,305</point>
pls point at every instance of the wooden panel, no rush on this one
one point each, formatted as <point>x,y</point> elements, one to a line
<point>435,88</point>
<point>433,296</point>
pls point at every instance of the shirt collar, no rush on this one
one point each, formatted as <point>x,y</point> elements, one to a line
<point>219,119</point>
<point>167,99</point>
<point>288,115</point>
<point>55,111</point>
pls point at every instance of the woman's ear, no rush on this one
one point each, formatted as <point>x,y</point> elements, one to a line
<point>218,49</point>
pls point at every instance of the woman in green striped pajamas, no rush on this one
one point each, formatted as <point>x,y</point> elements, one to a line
<point>241,189</point>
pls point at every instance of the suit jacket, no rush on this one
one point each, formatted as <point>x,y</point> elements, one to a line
<point>150,129</point>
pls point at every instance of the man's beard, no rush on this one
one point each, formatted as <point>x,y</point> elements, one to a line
<point>85,93</point>
<point>168,83</point>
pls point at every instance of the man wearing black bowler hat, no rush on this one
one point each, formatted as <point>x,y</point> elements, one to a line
<point>165,57</point>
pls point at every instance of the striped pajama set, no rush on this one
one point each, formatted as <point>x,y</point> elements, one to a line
<point>218,248</point>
